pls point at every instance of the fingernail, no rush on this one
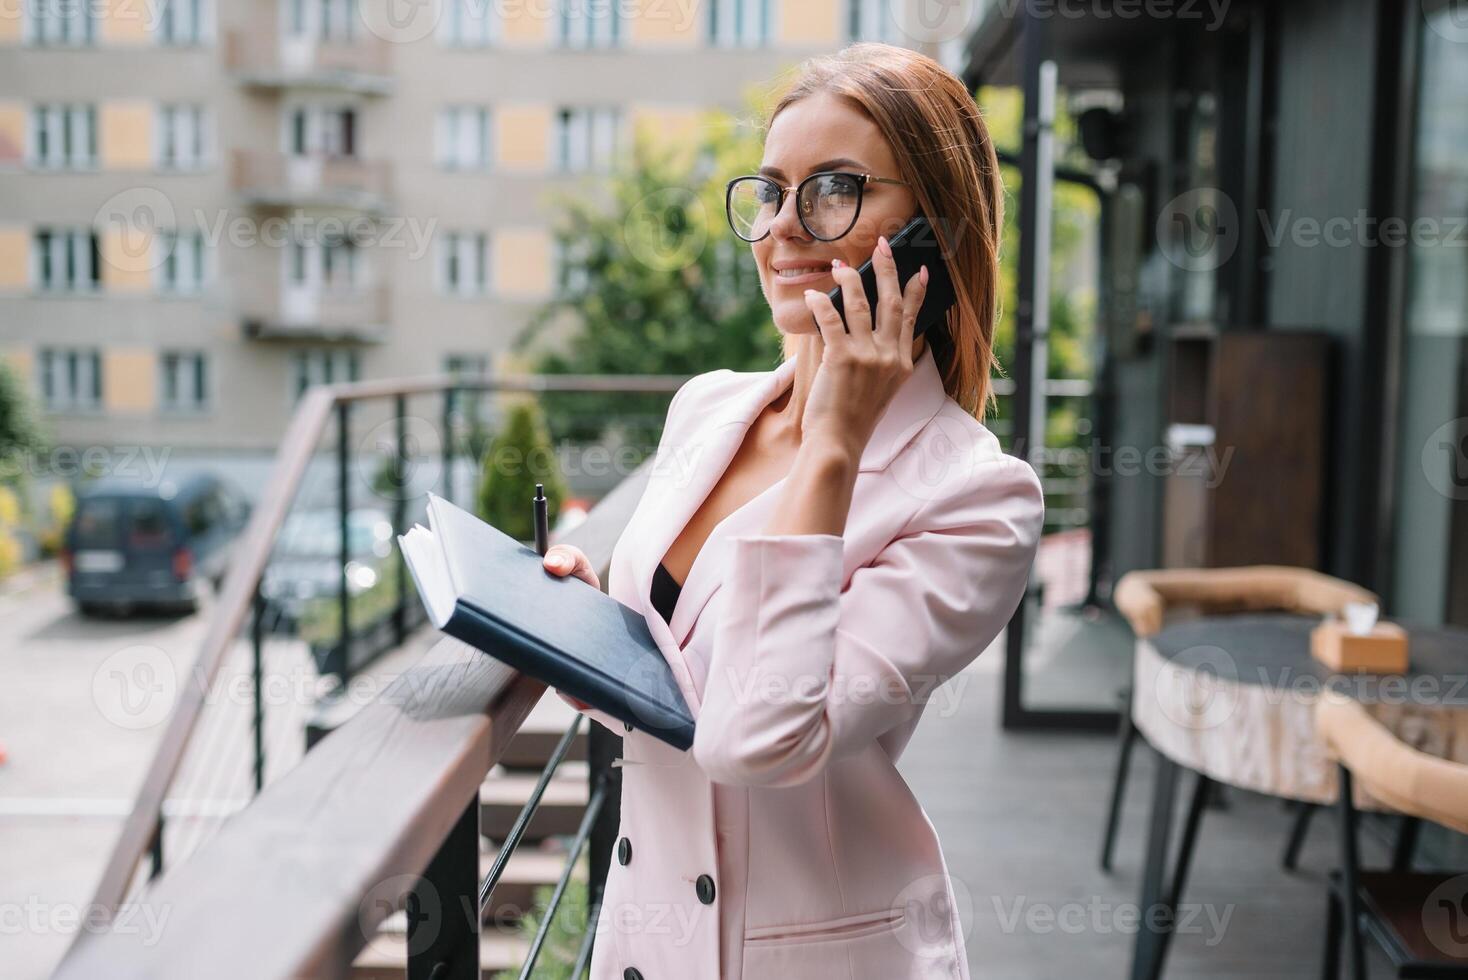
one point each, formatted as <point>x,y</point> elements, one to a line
<point>884,246</point>
<point>557,561</point>
<point>837,263</point>
<point>924,273</point>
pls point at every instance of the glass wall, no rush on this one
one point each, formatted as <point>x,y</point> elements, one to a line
<point>1432,463</point>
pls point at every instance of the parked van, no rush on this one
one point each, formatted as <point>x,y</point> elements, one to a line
<point>136,543</point>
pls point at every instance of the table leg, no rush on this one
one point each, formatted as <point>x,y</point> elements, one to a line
<point>1153,895</point>
<point>1201,793</point>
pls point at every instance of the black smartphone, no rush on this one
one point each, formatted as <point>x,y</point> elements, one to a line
<point>915,246</point>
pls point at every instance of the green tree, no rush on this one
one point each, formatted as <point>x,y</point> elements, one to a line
<point>519,457</point>
<point>657,282</point>
<point>20,430</point>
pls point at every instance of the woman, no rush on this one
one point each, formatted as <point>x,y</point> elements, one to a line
<point>841,535</point>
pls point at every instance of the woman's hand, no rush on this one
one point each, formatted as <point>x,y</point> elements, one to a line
<point>862,365</point>
<point>567,559</point>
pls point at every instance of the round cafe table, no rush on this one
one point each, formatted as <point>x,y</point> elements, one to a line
<point>1232,698</point>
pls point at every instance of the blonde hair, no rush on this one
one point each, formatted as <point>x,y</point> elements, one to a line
<point>943,151</point>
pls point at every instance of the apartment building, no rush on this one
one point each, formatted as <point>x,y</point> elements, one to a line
<point>207,206</point>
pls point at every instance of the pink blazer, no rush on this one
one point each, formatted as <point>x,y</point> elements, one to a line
<point>785,844</point>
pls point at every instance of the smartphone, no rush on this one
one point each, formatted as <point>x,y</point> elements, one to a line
<point>913,247</point>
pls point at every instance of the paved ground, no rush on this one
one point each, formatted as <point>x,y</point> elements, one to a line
<point>82,703</point>
<point>1019,815</point>
<point>1020,821</point>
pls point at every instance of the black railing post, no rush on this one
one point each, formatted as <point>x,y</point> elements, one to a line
<point>602,749</point>
<point>157,849</point>
<point>400,520</point>
<point>257,645</point>
<point>448,444</point>
<point>443,914</point>
<point>343,475</point>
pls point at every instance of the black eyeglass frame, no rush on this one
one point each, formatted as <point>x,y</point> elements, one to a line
<point>861,181</point>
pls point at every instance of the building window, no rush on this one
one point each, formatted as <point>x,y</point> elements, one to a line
<point>323,366</point>
<point>70,378</point>
<point>184,268</point>
<point>67,260</point>
<point>466,23</point>
<point>463,263</point>
<point>323,20</point>
<point>587,138</point>
<point>182,137</point>
<point>183,378</point>
<point>181,22</point>
<point>571,258</point>
<point>463,138</point>
<point>739,23</point>
<point>321,130</point>
<point>590,24</point>
<point>872,20</point>
<point>333,263</point>
<point>64,137</point>
<point>61,23</point>
<point>467,406</point>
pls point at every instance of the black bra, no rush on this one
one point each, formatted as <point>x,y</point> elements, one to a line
<point>664,593</point>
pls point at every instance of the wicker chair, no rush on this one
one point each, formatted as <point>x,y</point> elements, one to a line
<point>1419,919</point>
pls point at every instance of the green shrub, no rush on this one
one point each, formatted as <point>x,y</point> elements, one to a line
<point>519,457</point>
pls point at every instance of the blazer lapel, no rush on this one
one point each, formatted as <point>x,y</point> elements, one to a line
<point>691,470</point>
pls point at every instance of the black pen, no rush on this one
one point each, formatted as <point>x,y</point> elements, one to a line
<point>542,533</point>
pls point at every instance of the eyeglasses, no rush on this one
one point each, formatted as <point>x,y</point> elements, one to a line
<point>827,203</point>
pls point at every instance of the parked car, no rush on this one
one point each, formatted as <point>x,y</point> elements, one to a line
<point>306,563</point>
<point>134,543</point>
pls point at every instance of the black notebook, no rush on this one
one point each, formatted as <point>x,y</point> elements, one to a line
<point>483,587</point>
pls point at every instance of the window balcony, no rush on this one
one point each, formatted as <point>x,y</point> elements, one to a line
<point>319,313</point>
<point>284,180</point>
<point>262,60</point>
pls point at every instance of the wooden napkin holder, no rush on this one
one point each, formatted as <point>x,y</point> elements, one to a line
<point>1381,651</point>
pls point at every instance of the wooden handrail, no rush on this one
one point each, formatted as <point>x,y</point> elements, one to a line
<point>297,448</point>
<point>298,882</point>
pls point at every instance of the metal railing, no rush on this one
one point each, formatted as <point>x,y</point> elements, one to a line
<point>412,812</point>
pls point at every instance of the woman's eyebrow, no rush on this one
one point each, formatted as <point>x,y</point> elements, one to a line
<point>823,165</point>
